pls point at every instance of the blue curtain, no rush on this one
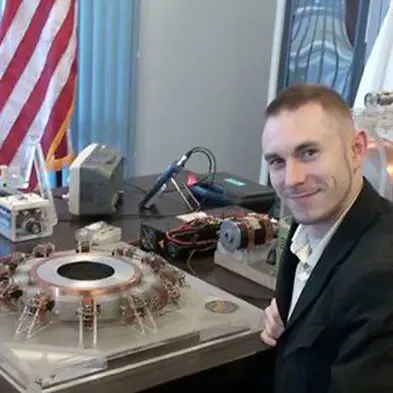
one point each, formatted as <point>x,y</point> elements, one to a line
<point>105,106</point>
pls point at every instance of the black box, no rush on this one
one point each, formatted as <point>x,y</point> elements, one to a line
<point>229,189</point>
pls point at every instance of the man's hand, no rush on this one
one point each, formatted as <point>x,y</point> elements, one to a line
<point>273,325</point>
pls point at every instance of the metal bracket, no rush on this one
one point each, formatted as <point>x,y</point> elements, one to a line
<point>187,196</point>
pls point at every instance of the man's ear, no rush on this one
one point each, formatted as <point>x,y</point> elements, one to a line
<point>359,146</point>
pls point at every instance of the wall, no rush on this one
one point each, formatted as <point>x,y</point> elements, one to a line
<point>203,78</point>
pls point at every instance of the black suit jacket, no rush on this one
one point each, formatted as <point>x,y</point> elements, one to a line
<point>339,338</point>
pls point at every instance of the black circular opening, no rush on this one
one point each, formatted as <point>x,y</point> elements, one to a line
<point>85,271</point>
<point>228,236</point>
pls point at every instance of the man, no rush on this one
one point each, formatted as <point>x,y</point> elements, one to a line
<point>331,321</point>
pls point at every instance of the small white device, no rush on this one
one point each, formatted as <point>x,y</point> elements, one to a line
<point>25,217</point>
<point>96,181</point>
<point>99,233</point>
<point>250,264</point>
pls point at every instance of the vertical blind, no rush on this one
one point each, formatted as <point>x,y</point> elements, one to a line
<point>105,105</point>
<point>106,95</point>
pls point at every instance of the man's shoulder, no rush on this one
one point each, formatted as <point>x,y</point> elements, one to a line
<point>384,217</point>
<point>376,241</point>
<point>369,264</point>
<point>375,246</point>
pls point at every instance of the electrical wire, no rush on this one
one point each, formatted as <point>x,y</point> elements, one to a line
<point>200,233</point>
<point>212,163</point>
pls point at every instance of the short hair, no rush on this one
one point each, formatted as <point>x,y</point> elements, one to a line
<point>298,95</point>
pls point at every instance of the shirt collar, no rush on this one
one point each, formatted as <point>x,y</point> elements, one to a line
<point>301,238</point>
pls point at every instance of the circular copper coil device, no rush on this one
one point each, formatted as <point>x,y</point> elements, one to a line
<point>246,232</point>
<point>86,274</point>
<point>125,284</point>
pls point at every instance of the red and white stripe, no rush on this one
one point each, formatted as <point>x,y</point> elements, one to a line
<point>38,69</point>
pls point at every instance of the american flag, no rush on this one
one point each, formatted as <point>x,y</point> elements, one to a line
<point>38,70</point>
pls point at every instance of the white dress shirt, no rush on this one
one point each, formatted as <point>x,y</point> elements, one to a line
<point>309,251</point>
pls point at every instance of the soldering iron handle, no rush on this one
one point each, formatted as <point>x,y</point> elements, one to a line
<point>161,183</point>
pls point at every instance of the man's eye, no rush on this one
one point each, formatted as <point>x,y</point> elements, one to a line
<point>276,162</point>
<point>309,154</point>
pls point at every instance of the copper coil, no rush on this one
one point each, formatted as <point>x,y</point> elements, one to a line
<point>246,232</point>
<point>46,275</point>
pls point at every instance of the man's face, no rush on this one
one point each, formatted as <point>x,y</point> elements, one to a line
<point>311,163</point>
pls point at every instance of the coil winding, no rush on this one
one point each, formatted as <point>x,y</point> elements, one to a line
<point>247,232</point>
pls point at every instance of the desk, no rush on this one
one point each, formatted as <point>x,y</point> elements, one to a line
<point>128,218</point>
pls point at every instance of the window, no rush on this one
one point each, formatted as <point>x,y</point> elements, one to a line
<point>324,42</point>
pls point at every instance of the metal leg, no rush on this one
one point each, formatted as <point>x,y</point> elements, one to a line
<point>187,196</point>
<point>88,320</point>
<point>95,324</point>
<point>81,326</point>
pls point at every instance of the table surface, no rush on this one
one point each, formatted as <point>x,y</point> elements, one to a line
<point>129,218</point>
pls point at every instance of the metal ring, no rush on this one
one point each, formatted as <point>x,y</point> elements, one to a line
<point>125,275</point>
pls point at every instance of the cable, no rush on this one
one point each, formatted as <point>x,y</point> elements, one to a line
<point>197,234</point>
<point>212,169</point>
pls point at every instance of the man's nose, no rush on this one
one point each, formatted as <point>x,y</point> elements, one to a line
<point>295,173</point>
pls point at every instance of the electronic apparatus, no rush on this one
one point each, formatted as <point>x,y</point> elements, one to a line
<point>25,217</point>
<point>378,99</point>
<point>377,121</point>
<point>251,265</point>
<point>68,316</point>
<point>229,189</point>
<point>211,189</point>
<point>99,233</point>
<point>169,175</point>
<point>161,183</point>
<point>249,231</point>
<point>378,166</point>
<point>96,181</point>
<point>247,246</point>
<point>176,237</point>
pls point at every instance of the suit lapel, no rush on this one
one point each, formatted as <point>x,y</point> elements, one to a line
<point>286,275</point>
<point>355,223</point>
